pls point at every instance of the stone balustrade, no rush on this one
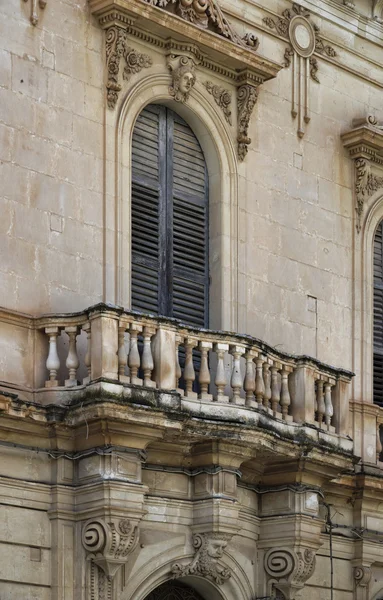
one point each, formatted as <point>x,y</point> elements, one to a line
<point>202,366</point>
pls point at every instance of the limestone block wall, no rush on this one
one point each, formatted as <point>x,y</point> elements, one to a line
<point>294,227</point>
<point>51,147</point>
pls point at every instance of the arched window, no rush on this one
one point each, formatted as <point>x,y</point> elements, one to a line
<point>173,591</point>
<point>378,315</point>
<point>170,227</point>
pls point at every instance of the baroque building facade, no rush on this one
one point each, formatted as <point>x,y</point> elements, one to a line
<point>191,367</point>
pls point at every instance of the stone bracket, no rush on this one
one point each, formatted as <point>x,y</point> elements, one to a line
<point>288,569</point>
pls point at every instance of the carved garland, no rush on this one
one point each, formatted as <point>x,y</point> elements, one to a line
<point>34,18</point>
<point>208,549</point>
<point>304,38</point>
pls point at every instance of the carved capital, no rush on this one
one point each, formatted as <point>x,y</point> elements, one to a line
<point>288,570</point>
<point>209,549</point>
<point>247,96</point>
<point>109,544</point>
<point>182,69</point>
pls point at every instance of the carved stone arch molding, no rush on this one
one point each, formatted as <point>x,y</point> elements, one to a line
<point>138,36</point>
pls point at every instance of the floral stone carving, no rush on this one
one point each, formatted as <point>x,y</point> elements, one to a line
<point>289,570</point>
<point>183,76</point>
<point>116,49</point>
<point>304,38</point>
<point>222,97</point>
<point>206,14</point>
<point>247,96</point>
<point>209,549</point>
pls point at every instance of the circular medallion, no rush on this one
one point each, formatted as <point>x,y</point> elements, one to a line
<point>302,36</point>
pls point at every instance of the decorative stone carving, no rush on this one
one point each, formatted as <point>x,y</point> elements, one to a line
<point>183,76</point>
<point>206,14</point>
<point>304,41</point>
<point>109,544</point>
<point>377,10</point>
<point>34,12</point>
<point>289,570</point>
<point>222,97</point>
<point>208,550</point>
<point>362,576</point>
<point>247,96</point>
<point>117,48</point>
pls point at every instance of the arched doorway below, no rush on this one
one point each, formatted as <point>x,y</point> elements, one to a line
<point>173,590</point>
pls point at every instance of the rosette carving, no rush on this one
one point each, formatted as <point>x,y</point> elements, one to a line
<point>109,544</point>
<point>209,549</point>
<point>247,96</point>
<point>222,97</point>
<point>289,570</point>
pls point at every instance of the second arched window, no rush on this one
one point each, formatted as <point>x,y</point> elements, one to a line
<point>170,219</point>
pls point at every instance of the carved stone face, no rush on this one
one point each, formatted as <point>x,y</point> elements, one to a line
<point>215,548</point>
<point>186,82</point>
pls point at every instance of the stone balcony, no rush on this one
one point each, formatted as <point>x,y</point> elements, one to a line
<point>106,352</point>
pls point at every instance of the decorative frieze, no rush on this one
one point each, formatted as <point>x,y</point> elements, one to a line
<point>34,18</point>
<point>222,97</point>
<point>304,38</point>
<point>209,548</point>
<point>289,570</point>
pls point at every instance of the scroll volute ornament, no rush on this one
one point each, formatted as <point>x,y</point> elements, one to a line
<point>288,570</point>
<point>209,549</point>
<point>109,543</point>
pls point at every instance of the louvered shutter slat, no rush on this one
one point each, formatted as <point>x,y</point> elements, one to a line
<point>145,211</point>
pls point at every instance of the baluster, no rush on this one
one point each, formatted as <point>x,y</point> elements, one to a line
<point>204,374</point>
<point>275,391</point>
<point>72,362</point>
<point>285,400</point>
<point>189,373</point>
<point>122,354</point>
<point>236,375</point>
<point>249,384</point>
<point>53,361</point>
<point>147,356</point>
<point>87,360</point>
<point>178,341</point>
<point>134,355</point>
<point>220,377</point>
<point>259,383</point>
<point>329,411</point>
<point>320,402</point>
<point>267,382</point>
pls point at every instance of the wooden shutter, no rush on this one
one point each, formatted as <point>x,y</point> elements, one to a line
<point>146,195</point>
<point>378,315</point>
<point>170,225</point>
<point>190,228</point>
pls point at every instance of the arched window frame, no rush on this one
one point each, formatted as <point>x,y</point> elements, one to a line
<point>220,154</point>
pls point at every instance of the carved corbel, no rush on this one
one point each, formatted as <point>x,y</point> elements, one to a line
<point>288,570</point>
<point>362,577</point>
<point>117,48</point>
<point>209,548</point>
<point>365,145</point>
<point>247,96</point>
<point>108,545</point>
<point>377,10</point>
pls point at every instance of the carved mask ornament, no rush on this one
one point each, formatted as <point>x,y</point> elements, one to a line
<point>183,77</point>
<point>209,548</point>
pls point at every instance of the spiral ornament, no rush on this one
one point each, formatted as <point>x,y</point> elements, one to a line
<point>93,537</point>
<point>279,563</point>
